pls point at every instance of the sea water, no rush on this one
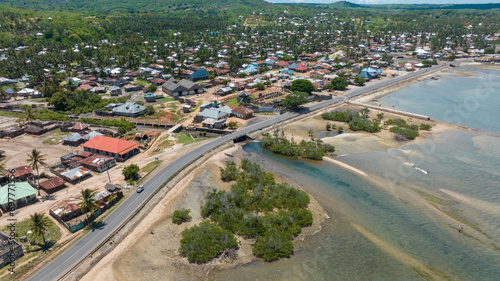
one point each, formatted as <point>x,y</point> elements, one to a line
<point>405,232</point>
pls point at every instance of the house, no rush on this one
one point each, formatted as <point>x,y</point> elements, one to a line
<point>181,88</point>
<point>78,127</point>
<point>119,149</point>
<point>157,81</point>
<point>35,130</point>
<point>10,249</point>
<point>13,132</point>
<point>73,175</point>
<point>282,64</point>
<point>317,75</point>
<point>129,109</point>
<point>52,184</point>
<point>132,88</point>
<point>213,113</point>
<point>24,194</point>
<point>224,91</point>
<point>21,173</point>
<point>200,74</point>
<point>150,97</point>
<point>98,163</point>
<point>99,90</point>
<point>293,66</point>
<point>243,112</point>
<point>250,69</point>
<point>301,68</point>
<point>66,209</point>
<point>115,91</point>
<point>74,139</point>
<point>212,123</point>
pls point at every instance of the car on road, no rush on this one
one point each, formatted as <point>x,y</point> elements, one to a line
<point>140,189</point>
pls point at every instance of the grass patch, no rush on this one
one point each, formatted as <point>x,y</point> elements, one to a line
<point>172,105</point>
<point>166,99</point>
<point>142,82</point>
<point>53,137</point>
<point>186,138</point>
<point>22,227</point>
<point>232,101</point>
<point>38,99</point>
<point>11,114</point>
<point>151,165</point>
<point>423,273</point>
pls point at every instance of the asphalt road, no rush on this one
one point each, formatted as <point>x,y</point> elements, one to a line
<point>74,254</point>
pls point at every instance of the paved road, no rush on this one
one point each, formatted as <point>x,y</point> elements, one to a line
<point>74,254</point>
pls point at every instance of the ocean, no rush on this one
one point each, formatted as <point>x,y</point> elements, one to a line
<point>401,223</point>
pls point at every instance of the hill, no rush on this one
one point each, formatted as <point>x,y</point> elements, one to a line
<point>151,6</point>
<point>347,4</point>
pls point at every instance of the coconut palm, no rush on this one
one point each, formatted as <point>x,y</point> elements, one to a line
<point>36,160</point>
<point>39,224</point>
<point>29,114</point>
<point>88,203</point>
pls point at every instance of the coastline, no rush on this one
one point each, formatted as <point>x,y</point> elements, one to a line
<point>161,247</point>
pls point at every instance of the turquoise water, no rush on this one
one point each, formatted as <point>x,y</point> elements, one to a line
<point>463,168</point>
<point>468,101</point>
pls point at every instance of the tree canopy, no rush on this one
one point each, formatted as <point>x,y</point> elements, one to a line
<point>302,85</point>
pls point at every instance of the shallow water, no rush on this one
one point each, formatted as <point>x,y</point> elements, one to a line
<point>472,101</point>
<point>463,170</point>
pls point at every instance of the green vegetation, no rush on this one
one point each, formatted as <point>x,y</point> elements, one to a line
<point>426,127</point>
<point>166,99</point>
<point>295,99</point>
<point>358,80</point>
<point>81,101</point>
<point>278,143</point>
<point>205,241</point>
<point>260,86</point>
<point>123,125</point>
<point>302,85</point>
<point>151,165</point>
<point>403,129</point>
<point>337,83</point>
<point>258,207</point>
<point>180,216</point>
<point>131,171</point>
<point>52,232</point>
<point>357,121</point>
<point>186,138</point>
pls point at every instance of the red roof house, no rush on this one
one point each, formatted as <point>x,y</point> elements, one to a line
<point>301,68</point>
<point>119,149</point>
<point>52,184</point>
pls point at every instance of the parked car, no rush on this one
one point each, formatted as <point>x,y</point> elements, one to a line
<point>140,189</point>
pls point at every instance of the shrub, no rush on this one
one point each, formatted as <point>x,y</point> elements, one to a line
<point>180,216</point>
<point>230,173</point>
<point>203,242</point>
<point>273,246</point>
<point>426,127</point>
<point>130,171</point>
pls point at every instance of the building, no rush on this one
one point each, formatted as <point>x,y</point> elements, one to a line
<point>78,127</point>
<point>98,163</point>
<point>52,184</point>
<point>129,109</point>
<point>132,88</point>
<point>200,74</point>
<point>23,194</point>
<point>243,112</point>
<point>181,88</point>
<point>150,97</point>
<point>66,209</point>
<point>157,81</point>
<point>10,250</point>
<point>72,175</point>
<point>121,150</point>
<point>13,132</point>
<point>115,91</point>
<point>21,173</point>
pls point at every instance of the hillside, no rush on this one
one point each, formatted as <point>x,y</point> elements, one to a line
<point>347,4</point>
<point>111,6</point>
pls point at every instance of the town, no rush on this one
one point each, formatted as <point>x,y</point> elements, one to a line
<point>87,115</point>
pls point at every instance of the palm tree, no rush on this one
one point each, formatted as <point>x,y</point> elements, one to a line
<point>88,203</point>
<point>36,159</point>
<point>29,115</point>
<point>39,224</point>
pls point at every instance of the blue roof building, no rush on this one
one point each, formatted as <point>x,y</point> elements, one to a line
<point>200,74</point>
<point>129,109</point>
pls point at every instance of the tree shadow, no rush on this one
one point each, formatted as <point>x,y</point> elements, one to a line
<point>48,197</point>
<point>301,110</point>
<point>98,225</point>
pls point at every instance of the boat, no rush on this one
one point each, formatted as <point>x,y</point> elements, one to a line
<point>422,170</point>
<point>434,78</point>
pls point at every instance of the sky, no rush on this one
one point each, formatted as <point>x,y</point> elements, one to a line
<point>392,1</point>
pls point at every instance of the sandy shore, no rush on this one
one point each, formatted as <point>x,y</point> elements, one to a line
<point>158,254</point>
